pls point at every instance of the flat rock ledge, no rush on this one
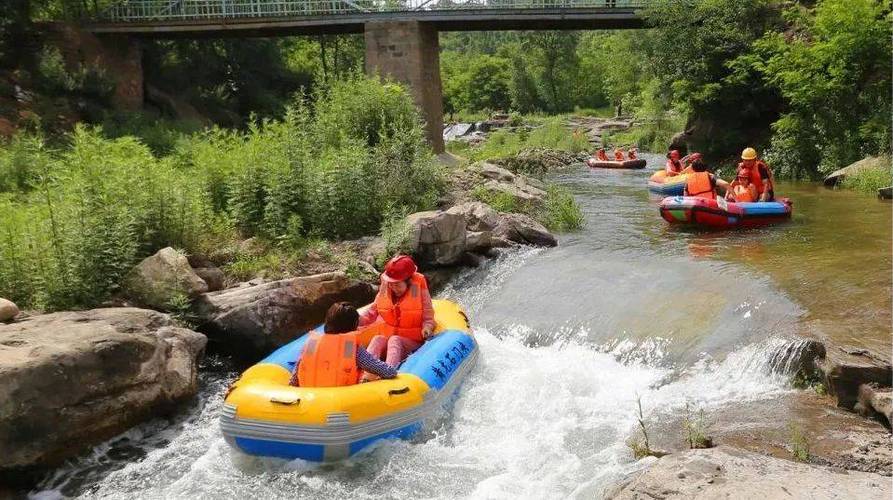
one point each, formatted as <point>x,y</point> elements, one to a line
<point>71,380</point>
<point>726,472</point>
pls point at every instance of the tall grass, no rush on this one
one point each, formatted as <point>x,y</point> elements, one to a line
<point>870,179</point>
<point>76,219</point>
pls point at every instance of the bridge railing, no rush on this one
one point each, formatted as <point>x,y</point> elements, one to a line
<point>184,10</point>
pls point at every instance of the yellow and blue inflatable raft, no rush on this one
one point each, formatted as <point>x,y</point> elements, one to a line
<point>263,415</point>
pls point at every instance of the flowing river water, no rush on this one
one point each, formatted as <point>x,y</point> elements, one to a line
<point>627,308</point>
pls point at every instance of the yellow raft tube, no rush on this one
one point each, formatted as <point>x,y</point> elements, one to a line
<point>264,415</point>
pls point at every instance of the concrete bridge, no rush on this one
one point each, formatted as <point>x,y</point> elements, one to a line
<point>401,35</point>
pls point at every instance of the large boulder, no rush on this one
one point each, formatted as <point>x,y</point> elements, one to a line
<point>726,472</point>
<point>8,310</point>
<point>847,368</point>
<point>159,279</point>
<point>525,230</point>
<point>436,237</point>
<point>71,380</point>
<point>252,320</point>
<point>478,216</point>
<point>870,162</point>
<point>876,400</point>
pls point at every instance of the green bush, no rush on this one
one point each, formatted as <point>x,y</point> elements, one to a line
<point>561,213</point>
<point>870,179</point>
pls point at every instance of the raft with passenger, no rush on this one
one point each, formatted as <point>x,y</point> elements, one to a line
<point>666,185</point>
<point>625,164</point>
<point>264,415</point>
<point>718,213</point>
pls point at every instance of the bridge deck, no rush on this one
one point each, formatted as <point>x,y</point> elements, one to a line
<point>191,18</point>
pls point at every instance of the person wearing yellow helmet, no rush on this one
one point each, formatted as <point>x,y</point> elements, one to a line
<point>759,174</point>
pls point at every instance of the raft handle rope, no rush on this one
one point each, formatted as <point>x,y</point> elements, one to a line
<point>394,392</point>
<point>285,400</point>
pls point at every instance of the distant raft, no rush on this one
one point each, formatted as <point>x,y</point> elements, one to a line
<point>667,185</point>
<point>721,214</point>
<point>264,415</point>
<point>628,164</point>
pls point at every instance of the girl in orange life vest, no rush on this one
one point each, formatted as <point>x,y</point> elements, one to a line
<point>334,358</point>
<point>674,166</point>
<point>741,190</point>
<point>601,155</point>
<point>403,309</point>
<point>701,183</point>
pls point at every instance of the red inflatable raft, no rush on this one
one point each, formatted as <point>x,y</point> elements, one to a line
<point>628,164</point>
<point>721,214</point>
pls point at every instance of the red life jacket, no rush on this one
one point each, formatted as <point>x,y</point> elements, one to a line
<point>406,317</point>
<point>754,173</point>
<point>699,185</point>
<point>329,360</point>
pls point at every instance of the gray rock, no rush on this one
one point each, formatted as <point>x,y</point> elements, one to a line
<point>523,229</point>
<point>495,172</point>
<point>846,369</point>
<point>436,237</point>
<point>156,280</point>
<point>875,399</point>
<point>8,310</point>
<point>869,162</point>
<point>726,472</point>
<point>251,320</point>
<point>478,216</point>
<point>212,276</point>
<point>71,380</point>
<point>885,193</point>
<point>479,241</point>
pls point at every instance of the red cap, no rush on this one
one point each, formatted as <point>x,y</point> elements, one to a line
<point>400,268</point>
<point>674,154</point>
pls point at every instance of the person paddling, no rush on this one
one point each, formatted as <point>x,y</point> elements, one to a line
<point>334,358</point>
<point>402,313</point>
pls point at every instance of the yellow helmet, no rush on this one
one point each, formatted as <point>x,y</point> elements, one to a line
<point>749,154</point>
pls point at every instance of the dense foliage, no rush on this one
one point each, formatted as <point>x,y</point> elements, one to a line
<point>77,218</point>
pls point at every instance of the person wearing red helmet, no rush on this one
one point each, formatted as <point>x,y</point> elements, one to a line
<point>402,312</point>
<point>674,166</point>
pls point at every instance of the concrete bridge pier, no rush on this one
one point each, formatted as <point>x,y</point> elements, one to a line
<point>409,52</point>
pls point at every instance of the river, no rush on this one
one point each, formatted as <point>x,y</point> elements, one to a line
<point>628,308</point>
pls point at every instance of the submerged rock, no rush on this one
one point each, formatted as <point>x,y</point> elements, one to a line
<point>160,278</point>
<point>252,320</point>
<point>726,472</point>
<point>71,380</point>
<point>8,310</point>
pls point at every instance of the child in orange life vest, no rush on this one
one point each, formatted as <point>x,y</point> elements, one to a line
<point>402,311</point>
<point>601,155</point>
<point>334,358</point>
<point>741,190</point>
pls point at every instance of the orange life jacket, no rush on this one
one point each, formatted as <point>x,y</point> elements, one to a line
<point>406,317</point>
<point>674,166</point>
<point>329,360</point>
<point>743,194</point>
<point>601,155</point>
<point>618,155</point>
<point>698,184</point>
<point>754,173</point>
